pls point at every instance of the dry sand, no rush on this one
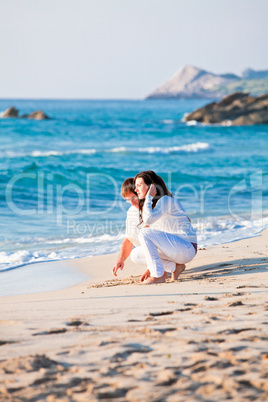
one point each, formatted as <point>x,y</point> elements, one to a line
<point>203,338</point>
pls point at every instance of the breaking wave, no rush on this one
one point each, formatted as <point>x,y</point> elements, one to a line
<point>195,147</point>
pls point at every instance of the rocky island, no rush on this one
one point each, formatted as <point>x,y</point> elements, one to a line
<point>237,109</point>
<point>12,112</point>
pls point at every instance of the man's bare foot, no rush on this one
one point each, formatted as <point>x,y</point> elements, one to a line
<point>179,269</point>
<point>146,275</point>
<point>167,275</point>
<point>151,280</point>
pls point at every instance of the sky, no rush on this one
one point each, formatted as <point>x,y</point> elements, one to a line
<point>123,49</point>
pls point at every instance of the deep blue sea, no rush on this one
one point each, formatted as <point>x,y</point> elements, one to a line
<point>60,178</point>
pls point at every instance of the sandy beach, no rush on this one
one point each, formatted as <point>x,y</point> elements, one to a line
<point>203,338</point>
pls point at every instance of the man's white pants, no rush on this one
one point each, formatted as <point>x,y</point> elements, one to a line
<point>161,251</point>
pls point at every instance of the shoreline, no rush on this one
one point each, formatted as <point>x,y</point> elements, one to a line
<point>12,260</point>
<point>40,277</point>
<point>201,337</point>
<point>74,271</point>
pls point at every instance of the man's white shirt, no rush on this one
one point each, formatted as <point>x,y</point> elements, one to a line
<point>132,229</point>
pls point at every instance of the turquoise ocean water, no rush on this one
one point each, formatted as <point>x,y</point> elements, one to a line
<point>60,179</point>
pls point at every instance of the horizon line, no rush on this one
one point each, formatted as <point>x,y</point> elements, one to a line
<point>104,99</point>
<point>45,98</point>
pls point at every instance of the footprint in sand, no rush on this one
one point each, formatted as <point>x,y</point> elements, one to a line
<point>43,380</point>
<point>235,304</point>
<point>210,298</point>
<point>107,392</point>
<point>130,349</point>
<point>212,340</point>
<point>164,330</point>
<point>28,363</point>
<point>75,385</point>
<point>133,320</point>
<point>215,318</point>
<point>161,313</point>
<point>221,364</point>
<point>237,348</point>
<point>2,342</point>
<point>166,378</point>
<point>249,286</point>
<point>105,343</point>
<point>76,322</point>
<point>234,331</point>
<point>51,332</point>
<point>239,372</point>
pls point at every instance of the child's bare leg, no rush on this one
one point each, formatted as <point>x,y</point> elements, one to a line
<point>179,269</point>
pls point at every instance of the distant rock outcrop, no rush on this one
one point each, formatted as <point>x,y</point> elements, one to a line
<point>39,115</point>
<point>238,109</point>
<point>193,82</point>
<point>12,112</point>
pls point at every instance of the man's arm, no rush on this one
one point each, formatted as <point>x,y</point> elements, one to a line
<point>125,250</point>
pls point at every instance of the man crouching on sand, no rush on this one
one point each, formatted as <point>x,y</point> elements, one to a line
<point>132,231</point>
<point>132,238</point>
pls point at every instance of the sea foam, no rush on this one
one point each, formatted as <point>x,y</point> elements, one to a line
<point>59,249</point>
<point>210,231</point>
<point>187,148</point>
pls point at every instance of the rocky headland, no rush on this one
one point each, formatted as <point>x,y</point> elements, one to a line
<point>12,112</point>
<point>237,109</point>
<point>191,82</point>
